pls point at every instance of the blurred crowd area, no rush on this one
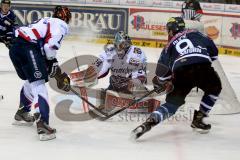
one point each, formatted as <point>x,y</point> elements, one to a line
<point>214,1</point>
<point>222,1</point>
<point>86,1</point>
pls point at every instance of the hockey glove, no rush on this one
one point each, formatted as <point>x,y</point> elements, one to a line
<point>162,85</point>
<point>52,67</point>
<point>63,82</point>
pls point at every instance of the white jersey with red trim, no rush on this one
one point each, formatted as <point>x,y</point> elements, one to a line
<point>50,31</point>
<point>130,66</point>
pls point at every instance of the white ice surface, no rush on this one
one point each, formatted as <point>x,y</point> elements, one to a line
<point>92,140</point>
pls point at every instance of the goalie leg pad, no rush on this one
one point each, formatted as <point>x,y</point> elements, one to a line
<point>114,99</point>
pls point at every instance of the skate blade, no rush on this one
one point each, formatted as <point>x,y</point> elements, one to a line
<point>133,137</point>
<point>136,133</point>
<point>46,137</point>
<point>201,131</point>
<point>22,123</point>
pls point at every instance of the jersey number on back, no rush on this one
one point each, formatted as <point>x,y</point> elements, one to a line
<point>183,45</point>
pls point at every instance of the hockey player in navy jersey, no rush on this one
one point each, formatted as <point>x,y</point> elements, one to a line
<point>7,23</point>
<point>33,54</point>
<point>184,63</point>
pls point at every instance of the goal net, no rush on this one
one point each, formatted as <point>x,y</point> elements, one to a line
<point>227,102</point>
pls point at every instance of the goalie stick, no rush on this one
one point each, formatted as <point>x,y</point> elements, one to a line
<point>102,116</point>
<point>91,112</point>
<point>83,90</point>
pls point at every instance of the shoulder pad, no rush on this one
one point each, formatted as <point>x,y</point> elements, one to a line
<point>109,48</point>
<point>58,26</point>
<point>107,54</point>
<point>137,50</point>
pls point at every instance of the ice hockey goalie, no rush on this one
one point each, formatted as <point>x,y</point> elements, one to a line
<point>127,65</point>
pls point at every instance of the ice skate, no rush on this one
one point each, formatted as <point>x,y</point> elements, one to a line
<point>44,131</point>
<point>198,125</point>
<point>143,128</point>
<point>23,118</point>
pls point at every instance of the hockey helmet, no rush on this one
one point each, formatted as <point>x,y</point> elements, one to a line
<point>5,6</point>
<point>175,24</point>
<point>62,13</point>
<point>122,41</point>
<point>6,2</point>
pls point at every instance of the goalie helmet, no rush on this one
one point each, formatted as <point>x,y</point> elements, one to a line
<point>62,13</point>
<point>122,41</point>
<point>175,24</point>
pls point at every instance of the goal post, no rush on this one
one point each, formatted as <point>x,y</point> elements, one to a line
<point>227,103</point>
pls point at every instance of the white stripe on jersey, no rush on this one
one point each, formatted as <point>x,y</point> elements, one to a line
<point>191,55</point>
<point>214,57</point>
<point>198,16</point>
<point>188,14</point>
<point>164,78</point>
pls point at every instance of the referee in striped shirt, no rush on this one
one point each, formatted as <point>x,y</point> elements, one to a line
<point>191,10</point>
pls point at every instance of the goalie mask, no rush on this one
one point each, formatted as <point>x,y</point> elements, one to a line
<point>62,13</point>
<point>122,42</point>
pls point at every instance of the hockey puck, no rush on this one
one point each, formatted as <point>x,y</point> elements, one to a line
<point>1,97</point>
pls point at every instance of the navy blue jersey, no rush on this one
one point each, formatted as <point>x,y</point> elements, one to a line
<point>7,25</point>
<point>186,48</point>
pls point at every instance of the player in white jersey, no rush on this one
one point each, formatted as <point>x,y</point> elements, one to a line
<point>126,62</point>
<point>33,55</point>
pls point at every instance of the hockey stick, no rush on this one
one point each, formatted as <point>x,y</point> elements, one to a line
<point>129,105</point>
<point>83,90</point>
<point>91,105</point>
<point>1,97</point>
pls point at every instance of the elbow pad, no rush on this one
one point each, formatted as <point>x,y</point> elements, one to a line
<point>50,52</point>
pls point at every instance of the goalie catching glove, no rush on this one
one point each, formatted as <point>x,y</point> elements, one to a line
<point>85,78</point>
<point>90,74</point>
<point>161,85</point>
